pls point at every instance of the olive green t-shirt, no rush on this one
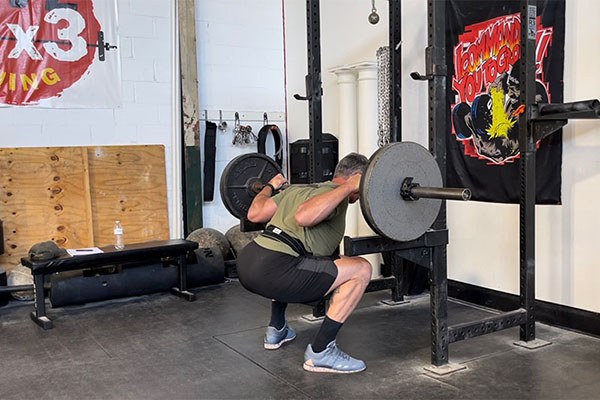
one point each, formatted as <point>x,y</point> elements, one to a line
<point>321,239</point>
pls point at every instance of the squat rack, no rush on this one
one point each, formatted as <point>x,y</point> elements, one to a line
<point>538,121</point>
<point>314,93</point>
<point>314,88</point>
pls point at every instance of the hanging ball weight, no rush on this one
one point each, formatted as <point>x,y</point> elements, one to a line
<point>373,18</point>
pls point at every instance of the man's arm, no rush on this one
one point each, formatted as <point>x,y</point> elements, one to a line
<point>318,208</point>
<point>263,207</point>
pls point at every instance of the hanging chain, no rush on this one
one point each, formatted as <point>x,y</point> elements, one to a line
<point>383,95</point>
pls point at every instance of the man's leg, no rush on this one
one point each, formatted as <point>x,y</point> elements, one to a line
<point>277,314</point>
<point>354,274</point>
<point>278,331</point>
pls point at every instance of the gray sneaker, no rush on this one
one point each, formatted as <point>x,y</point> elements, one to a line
<point>275,338</point>
<point>332,359</point>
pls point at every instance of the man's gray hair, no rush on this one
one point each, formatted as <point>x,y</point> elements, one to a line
<point>352,164</point>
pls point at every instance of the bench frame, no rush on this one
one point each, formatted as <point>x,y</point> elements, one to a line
<point>172,251</point>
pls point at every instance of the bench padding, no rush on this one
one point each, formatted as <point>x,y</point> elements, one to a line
<point>131,253</point>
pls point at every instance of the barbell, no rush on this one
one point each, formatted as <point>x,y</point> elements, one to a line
<point>400,192</point>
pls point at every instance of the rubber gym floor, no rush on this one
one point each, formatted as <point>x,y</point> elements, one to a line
<point>162,347</point>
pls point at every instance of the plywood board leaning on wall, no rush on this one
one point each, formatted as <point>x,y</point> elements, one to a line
<point>127,183</point>
<point>44,196</point>
<point>73,195</point>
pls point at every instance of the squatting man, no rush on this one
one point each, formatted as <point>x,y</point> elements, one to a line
<point>295,260</point>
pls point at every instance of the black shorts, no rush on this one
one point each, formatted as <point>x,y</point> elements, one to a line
<point>283,277</point>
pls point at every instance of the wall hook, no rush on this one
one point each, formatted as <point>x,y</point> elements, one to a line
<point>222,124</point>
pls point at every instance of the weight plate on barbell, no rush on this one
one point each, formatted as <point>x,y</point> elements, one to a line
<point>243,178</point>
<point>383,208</point>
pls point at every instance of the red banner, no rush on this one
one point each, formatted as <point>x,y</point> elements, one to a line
<point>48,48</point>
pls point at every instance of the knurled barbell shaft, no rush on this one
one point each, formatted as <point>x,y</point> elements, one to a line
<point>440,193</point>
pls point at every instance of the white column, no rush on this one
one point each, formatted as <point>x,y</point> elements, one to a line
<point>367,137</point>
<point>367,108</point>
<point>357,126</point>
<point>348,131</point>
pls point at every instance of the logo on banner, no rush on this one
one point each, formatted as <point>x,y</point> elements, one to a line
<point>46,47</point>
<point>486,82</point>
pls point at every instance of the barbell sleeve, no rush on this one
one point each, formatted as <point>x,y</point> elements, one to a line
<point>418,192</point>
<point>411,191</point>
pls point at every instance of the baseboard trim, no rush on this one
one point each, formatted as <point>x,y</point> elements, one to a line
<point>548,313</point>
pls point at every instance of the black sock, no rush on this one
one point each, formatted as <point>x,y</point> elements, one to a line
<point>277,314</point>
<point>326,334</point>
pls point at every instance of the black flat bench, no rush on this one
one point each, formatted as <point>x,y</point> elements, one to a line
<point>171,251</point>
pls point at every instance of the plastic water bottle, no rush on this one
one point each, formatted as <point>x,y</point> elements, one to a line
<point>118,231</point>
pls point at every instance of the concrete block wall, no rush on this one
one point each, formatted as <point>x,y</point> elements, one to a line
<point>145,117</point>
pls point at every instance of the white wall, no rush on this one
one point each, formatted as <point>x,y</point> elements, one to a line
<point>145,35</point>
<point>240,68</point>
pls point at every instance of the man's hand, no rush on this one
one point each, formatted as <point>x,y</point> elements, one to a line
<point>354,183</point>
<point>263,207</point>
<point>278,181</point>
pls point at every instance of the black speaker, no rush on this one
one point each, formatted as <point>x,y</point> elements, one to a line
<point>299,161</point>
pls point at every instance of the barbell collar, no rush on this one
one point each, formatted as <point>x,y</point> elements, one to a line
<point>406,189</point>
<point>255,187</point>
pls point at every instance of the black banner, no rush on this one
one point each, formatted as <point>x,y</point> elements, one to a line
<point>483,54</point>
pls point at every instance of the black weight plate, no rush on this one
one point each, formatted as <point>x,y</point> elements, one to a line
<point>241,179</point>
<point>383,208</point>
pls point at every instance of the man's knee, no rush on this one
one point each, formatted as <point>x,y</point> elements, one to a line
<point>365,271</point>
<point>356,269</point>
